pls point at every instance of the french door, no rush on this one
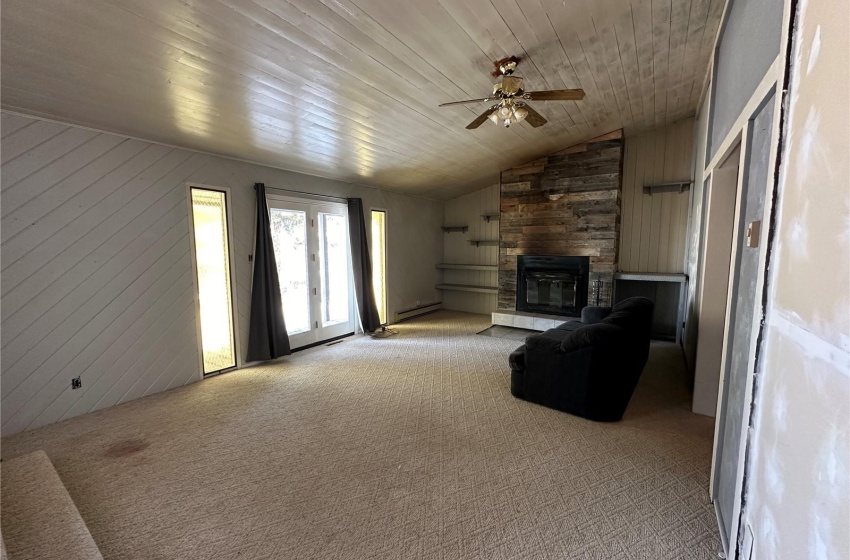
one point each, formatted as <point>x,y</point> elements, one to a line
<point>314,266</point>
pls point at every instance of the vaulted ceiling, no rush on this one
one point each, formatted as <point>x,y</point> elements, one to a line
<point>348,89</point>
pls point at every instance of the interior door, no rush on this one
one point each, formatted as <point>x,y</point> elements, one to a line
<point>314,266</point>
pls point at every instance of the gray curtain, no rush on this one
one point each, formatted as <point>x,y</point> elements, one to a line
<point>267,338</point>
<point>362,265</point>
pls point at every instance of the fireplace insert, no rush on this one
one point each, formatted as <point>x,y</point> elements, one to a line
<point>552,285</point>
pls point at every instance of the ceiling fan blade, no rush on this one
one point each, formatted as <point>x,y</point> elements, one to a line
<point>534,118</point>
<point>479,120</point>
<point>466,101</point>
<point>556,95</point>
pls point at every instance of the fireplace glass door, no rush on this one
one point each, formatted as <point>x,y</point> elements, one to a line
<point>554,290</point>
<point>553,285</point>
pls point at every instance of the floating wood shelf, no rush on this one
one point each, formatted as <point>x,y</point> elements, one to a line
<point>450,229</point>
<point>457,266</point>
<point>468,288</point>
<point>666,187</point>
<point>479,242</point>
<point>490,217</point>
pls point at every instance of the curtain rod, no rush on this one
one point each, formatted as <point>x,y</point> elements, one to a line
<point>307,193</point>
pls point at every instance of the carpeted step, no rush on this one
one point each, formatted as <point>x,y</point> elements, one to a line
<point>38,516</point>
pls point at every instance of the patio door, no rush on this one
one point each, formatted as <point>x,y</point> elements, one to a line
<point>314,265</point>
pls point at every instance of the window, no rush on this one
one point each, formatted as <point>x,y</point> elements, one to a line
<point>379,262</point>
<point>213,281</point>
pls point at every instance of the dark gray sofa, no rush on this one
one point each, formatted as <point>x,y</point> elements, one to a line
<point>589,368</point>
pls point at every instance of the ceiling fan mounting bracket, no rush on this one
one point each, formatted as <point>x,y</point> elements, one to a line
<point>505,66</point>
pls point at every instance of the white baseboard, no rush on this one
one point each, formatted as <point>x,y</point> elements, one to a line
<point>417,311</point>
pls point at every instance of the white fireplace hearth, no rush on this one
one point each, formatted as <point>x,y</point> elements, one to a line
<point>525,320</point>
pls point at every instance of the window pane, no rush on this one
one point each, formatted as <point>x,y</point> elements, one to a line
<point>289,236</point>
<point>379,262</point>
<point>333,260</point>
<point>212,260</point>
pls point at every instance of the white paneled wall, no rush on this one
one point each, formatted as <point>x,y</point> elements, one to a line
<point>468,210</point>
<point>653,228</point>
<point>96,264</point>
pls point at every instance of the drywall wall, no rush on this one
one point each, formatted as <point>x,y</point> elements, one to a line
<point>653,228</point>
<point>748,43</point>
<point>96,262</point>
<point>796,493</point>
<point>468,210</point>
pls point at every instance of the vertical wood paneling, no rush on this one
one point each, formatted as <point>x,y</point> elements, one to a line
<point>654,227</point>
<point>467,211</point>
<point>96,263</point>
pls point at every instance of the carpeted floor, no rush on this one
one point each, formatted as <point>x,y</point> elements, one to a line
<point>406,447</point>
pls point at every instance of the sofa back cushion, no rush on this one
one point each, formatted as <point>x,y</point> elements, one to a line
<point>600,335</point>
<point>633,314</point>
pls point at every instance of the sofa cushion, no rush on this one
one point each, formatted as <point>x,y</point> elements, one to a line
<point>570,325</point>
<point>603,335</point>
<point>637,304</point>
<point>547,340</point>
<point>632,313</point>
<point>622,319</point>
<point>592,314</point>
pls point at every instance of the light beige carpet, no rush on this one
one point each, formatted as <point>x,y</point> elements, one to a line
<point>405,447</point>
<point>39,519</point>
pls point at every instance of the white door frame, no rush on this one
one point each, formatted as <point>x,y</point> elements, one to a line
<point>313,207</point>
<point>772,82</point>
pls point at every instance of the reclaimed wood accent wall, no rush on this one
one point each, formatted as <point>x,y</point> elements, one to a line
<point>565,204</point>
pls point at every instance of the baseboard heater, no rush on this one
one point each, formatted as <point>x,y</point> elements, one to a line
<point>417,311</point>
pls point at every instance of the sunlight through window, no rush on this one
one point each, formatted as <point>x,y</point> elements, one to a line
<point>379,262</point>
<point>212,260</point>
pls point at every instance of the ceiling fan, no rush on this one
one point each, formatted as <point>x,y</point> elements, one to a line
<point>512,107</point>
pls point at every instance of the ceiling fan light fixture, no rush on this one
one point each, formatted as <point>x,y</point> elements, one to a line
<point>510,94</point>
<point>520,113</point>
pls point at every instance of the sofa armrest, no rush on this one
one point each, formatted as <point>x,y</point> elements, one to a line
<point>516,360</point>
<point>590,315</point>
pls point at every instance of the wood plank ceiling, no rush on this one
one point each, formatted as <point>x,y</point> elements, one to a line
<point>348,89</point>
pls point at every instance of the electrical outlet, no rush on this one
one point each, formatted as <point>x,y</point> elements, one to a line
<point>76,383</point>
<point>418,303</point>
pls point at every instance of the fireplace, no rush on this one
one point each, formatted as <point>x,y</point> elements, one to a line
<point>552,285</point>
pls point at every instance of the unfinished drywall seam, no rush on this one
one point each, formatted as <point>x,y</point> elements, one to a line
<point>772,229</point>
